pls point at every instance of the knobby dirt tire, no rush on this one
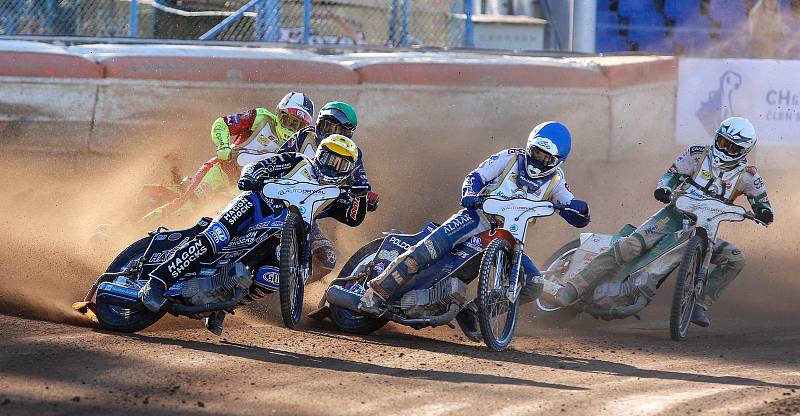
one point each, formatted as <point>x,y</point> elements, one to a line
<point>497,249</point>
<point>118,319</point>
<point>344,319</point>
<point>683,302</point>
<point>290,280</point>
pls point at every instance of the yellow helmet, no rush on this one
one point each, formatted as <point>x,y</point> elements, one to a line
<point>335,159</point>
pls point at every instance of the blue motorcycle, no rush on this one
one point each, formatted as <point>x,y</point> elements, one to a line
<point>438,293</point>
<point>272,255</point>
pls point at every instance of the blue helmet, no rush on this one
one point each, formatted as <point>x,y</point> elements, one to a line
<point>548,146</point>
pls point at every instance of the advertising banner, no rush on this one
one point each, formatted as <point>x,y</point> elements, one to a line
<point>765,91</point>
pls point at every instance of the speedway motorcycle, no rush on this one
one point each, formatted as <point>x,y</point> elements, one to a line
<point>272,255</point>
<point>438,293</point>
<point>630,290</point>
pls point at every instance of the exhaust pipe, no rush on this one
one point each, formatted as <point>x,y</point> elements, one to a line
<point>619,312</point>
<point>343,298</point>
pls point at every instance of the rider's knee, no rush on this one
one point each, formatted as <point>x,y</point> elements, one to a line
<point>734,257</point>
<point>216,236</point>
<point>628,248</point>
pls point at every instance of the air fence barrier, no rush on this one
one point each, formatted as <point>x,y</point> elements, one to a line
<point>387,23</point>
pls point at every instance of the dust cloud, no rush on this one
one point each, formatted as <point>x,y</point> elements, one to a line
<point>53,203</point>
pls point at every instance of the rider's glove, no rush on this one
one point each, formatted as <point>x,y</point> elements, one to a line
<point>663,194</point>
<point>470,201</point>
<point>577,219</point>
<point>247,183</point>
<point>359,190</point>
<point>372,201</point>
<point>224,153</point>
<point>765,215</point>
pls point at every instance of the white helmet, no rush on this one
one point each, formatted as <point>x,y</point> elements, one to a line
<point>735,137</point>
<point>294,112</point>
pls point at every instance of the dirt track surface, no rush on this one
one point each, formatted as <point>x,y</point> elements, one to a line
<point>258,368</point>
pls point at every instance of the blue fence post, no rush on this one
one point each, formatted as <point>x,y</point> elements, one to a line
<point>51,16</point>
<point>404,34</point>
<point>307,22</point>
<point>393,24</point>
<point>153,23</point>
<point>468,33</point>
<point>273,20</point>
<point>261,20</point>
<point>216,30</point>
<point>134,29</point>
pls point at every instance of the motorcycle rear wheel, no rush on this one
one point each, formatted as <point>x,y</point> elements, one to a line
<point>684,297</point>
<point>496,315</point>
<point>347,320</point>
<point>290,279</point>
<point>119,319</point>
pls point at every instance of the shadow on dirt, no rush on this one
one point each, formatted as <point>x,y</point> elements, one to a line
<point>274,356</point>
<point>563,362</point>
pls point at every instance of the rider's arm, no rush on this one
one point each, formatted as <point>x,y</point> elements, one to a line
<point>239,124</point>
<point>755,189</point>
<point>348,209</point>
<point>275,166</point>
<point>487,171</point>
<point>562,195</point>
<point>683,167</point>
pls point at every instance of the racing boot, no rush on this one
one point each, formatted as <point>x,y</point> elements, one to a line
<point>699,316</point>
<point>323,254</point>
<point>214,322</point>
<point>372,303</point>
<point>152,295</point>
<point>467,320</point>
<point>566,295</point>
<point>531,290</point>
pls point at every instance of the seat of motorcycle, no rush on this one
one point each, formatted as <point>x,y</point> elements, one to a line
<point>626,230</point>
<point>191,231</point>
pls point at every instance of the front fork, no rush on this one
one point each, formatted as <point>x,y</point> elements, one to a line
<point>514,285</point>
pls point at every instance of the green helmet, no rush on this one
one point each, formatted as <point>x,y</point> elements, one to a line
<point>336,117</point>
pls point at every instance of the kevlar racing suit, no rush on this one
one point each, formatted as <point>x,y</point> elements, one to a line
<point>694,163</point>
<point>503,175</point>
<point>240,139</point>
<point>305,141</point>
<point>249,209</point>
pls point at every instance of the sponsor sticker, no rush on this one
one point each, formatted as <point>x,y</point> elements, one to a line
<point>161,237</point>
<point>174,237</point>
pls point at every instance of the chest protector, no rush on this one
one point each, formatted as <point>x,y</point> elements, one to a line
<point>511,183</point>
<point>723,184</point>
<point>265,141</point>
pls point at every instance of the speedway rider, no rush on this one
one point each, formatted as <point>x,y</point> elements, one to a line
<point>534,172</point>
<point>240,139</point>
<point>335,117</point>
<point>721,168</point>
<point>336,161</point>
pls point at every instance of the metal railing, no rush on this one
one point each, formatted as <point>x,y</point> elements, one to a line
<point>392,23</point>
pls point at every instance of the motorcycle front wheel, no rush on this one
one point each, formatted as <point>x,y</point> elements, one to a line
<point>496,314</point>
<point>117,318</point>
<point>290,274</point>
<point>685,296</point>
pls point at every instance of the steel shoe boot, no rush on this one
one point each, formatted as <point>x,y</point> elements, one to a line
<point>152,295</point>
<point>699,317</point>
<point>467,320</point>
<point>214,322</point>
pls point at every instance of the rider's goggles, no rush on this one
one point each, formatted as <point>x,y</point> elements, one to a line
<point>727,146</point>
<point>544,158</point>
<point>326,127</point>
<point>291,122</point>
<point>334,164</point>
